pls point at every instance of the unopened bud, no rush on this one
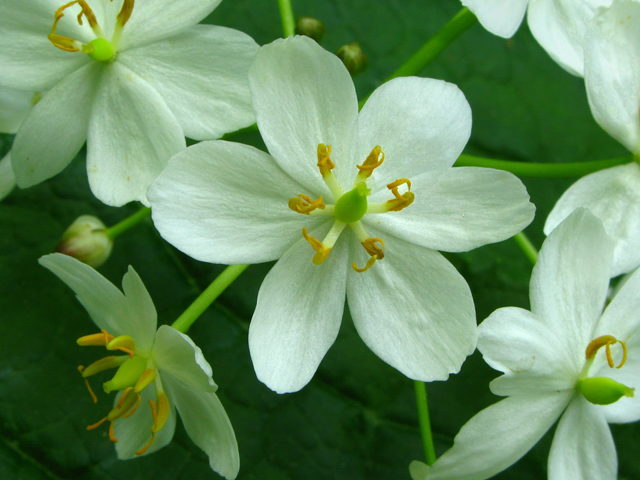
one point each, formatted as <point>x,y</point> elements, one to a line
<point>310,27</point>
<point>86,240</point>
<point>353,58</point>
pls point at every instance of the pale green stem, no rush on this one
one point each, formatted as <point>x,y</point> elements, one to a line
<point>526,246</point>
<point>206,298</point>
<point>544,170</point>
<point>288,20</point>
<point>127,223</point>
<point>425,423</point>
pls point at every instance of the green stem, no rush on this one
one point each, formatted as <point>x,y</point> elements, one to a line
<point>128,222</point>
<point>544,170</point>
<point>425,423</point>
<point>526,246</point>
<point>206,298</point>
<point>288,21</point>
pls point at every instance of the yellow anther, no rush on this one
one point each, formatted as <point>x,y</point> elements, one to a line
<point>128,401</point>
<point>160,414</point>
<point>96,340</point>
<point>322,252</point>
<point>145,379</point>
<point>324,161</point>
<point>376,252</point>
<point>125,12</point>
<point>133,409</point>
<point>86,382</point>
<point>606,341</point>
<point>303,204</point>
<point>124,343</point>
<point>66,43</point>
<point>400,201</point>
<point>372,162</point>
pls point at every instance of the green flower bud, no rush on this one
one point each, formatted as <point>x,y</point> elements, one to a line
<point>127,375</point>
<point>310,27</point>
<point>352,206</point>
<point>353,58</point>
<point>603,390</point>
<point>99,50</point>
<point>86,240</point>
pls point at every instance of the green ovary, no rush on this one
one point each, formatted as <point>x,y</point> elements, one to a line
<point>127,375</point>
<point>352,206</point>
<point>603,390</point>
<point>100,50</point>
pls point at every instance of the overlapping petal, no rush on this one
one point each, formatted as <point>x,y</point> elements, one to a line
<point>132,134</point>
<point>458,209</point>
<point>412,309</point>
<point>304,96</point>
<point>500,17</point>
<point>56,128</point>
<point>202,76</point>
<point>7,178</point>
<point>227,203</point>
<point>298,315</point>
<point>612,195</point>
<point>14,106</point>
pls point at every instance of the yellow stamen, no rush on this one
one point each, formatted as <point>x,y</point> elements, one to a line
<point>133,409</point>
<point>66,43</point>
<point>123,343</point>
<point>103,364</point>
<point>112,435</point>
<point>304,204</point>
<point>95,340</point>
<point>146,447</point>
<point>324,162</point>
<point>86,382</point>
<point>376,252</point>
<point>606,341</point>
<point>322,252</point>
<point>400,201</point>
<point>372,162</point>
<point>125,12</point>
<point>145,379</point>
<point>160,413</point>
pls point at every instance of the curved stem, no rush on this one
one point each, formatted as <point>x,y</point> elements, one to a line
<point>543,170</point>
<point>425,423</point>
<point>206,298</point>
<point>288,21</point>
<point>526,246</point>
<point>127,223</point>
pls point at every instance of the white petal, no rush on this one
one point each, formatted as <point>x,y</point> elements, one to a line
<point>108,307</point>
<point>134,432</point>
<point>175,353</point>
<point>143,319</point>
<point>7,178</point>
<point>412,308</point>
<point>500,17</point>
<point>560,26</point>
<point>569,283</point>
<point>298,315</point>
<point>612,195</point>
<point>207,424</point>
<point>582,446</point>
<point>132,135</point>
<point>499,436</point>
<point>458,209</point>
<point>421,124</point>
<point>152,21</point>
<point>612,71</point>
<point>524,348</point>
<point>304,96</point>
<point>202,75</point>
<point>14,106</point>
<point>56,128</point>
<point>227,203</point>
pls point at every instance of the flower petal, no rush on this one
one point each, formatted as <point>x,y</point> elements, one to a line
<point>152,21</point>
<point>143,319</point>
<point>413,309</point>
<point>7,178</point>
<point>569,283</point>
<point>499,436</point>
<point>227,203</point>
<point>421,124</point>
<point>298,315</point>
<point>582,445</point>
<point>132,135</point>
<point>612,195</point>
<point>134,432</point>
<point>458,209</point>
<point>612,53</point>
<point>304,96</point>
<point>202,74</point>
<point>107,306</point>
<point>14,106</point>
<point>524,347</point>
<point>175,353</point>
<point>500,17</point>
<point>56,128</point>
<point>207,424</point>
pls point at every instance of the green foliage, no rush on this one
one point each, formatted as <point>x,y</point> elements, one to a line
<point>357,418</point>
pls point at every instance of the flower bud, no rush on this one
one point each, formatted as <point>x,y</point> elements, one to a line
<point>353,58</point>
<point>310,27</point>
<point>86,240</point>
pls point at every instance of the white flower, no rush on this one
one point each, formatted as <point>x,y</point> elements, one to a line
<point>612,76</point>
<point>159,372</point>
<point>229,203</point>
<point>554,360</point>
<point>135,79</point>
<point>559,26</point>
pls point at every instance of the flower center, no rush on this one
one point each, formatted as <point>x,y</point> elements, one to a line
<point>136,372</point>
<point>99,49</point>
<point>603,390</point>
<point>350,207</point>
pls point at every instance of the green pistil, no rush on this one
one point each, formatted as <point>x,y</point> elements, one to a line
<point>352,206</point>
<point>603,390</point>
<point>99,50</point>
<point>127,375</point>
